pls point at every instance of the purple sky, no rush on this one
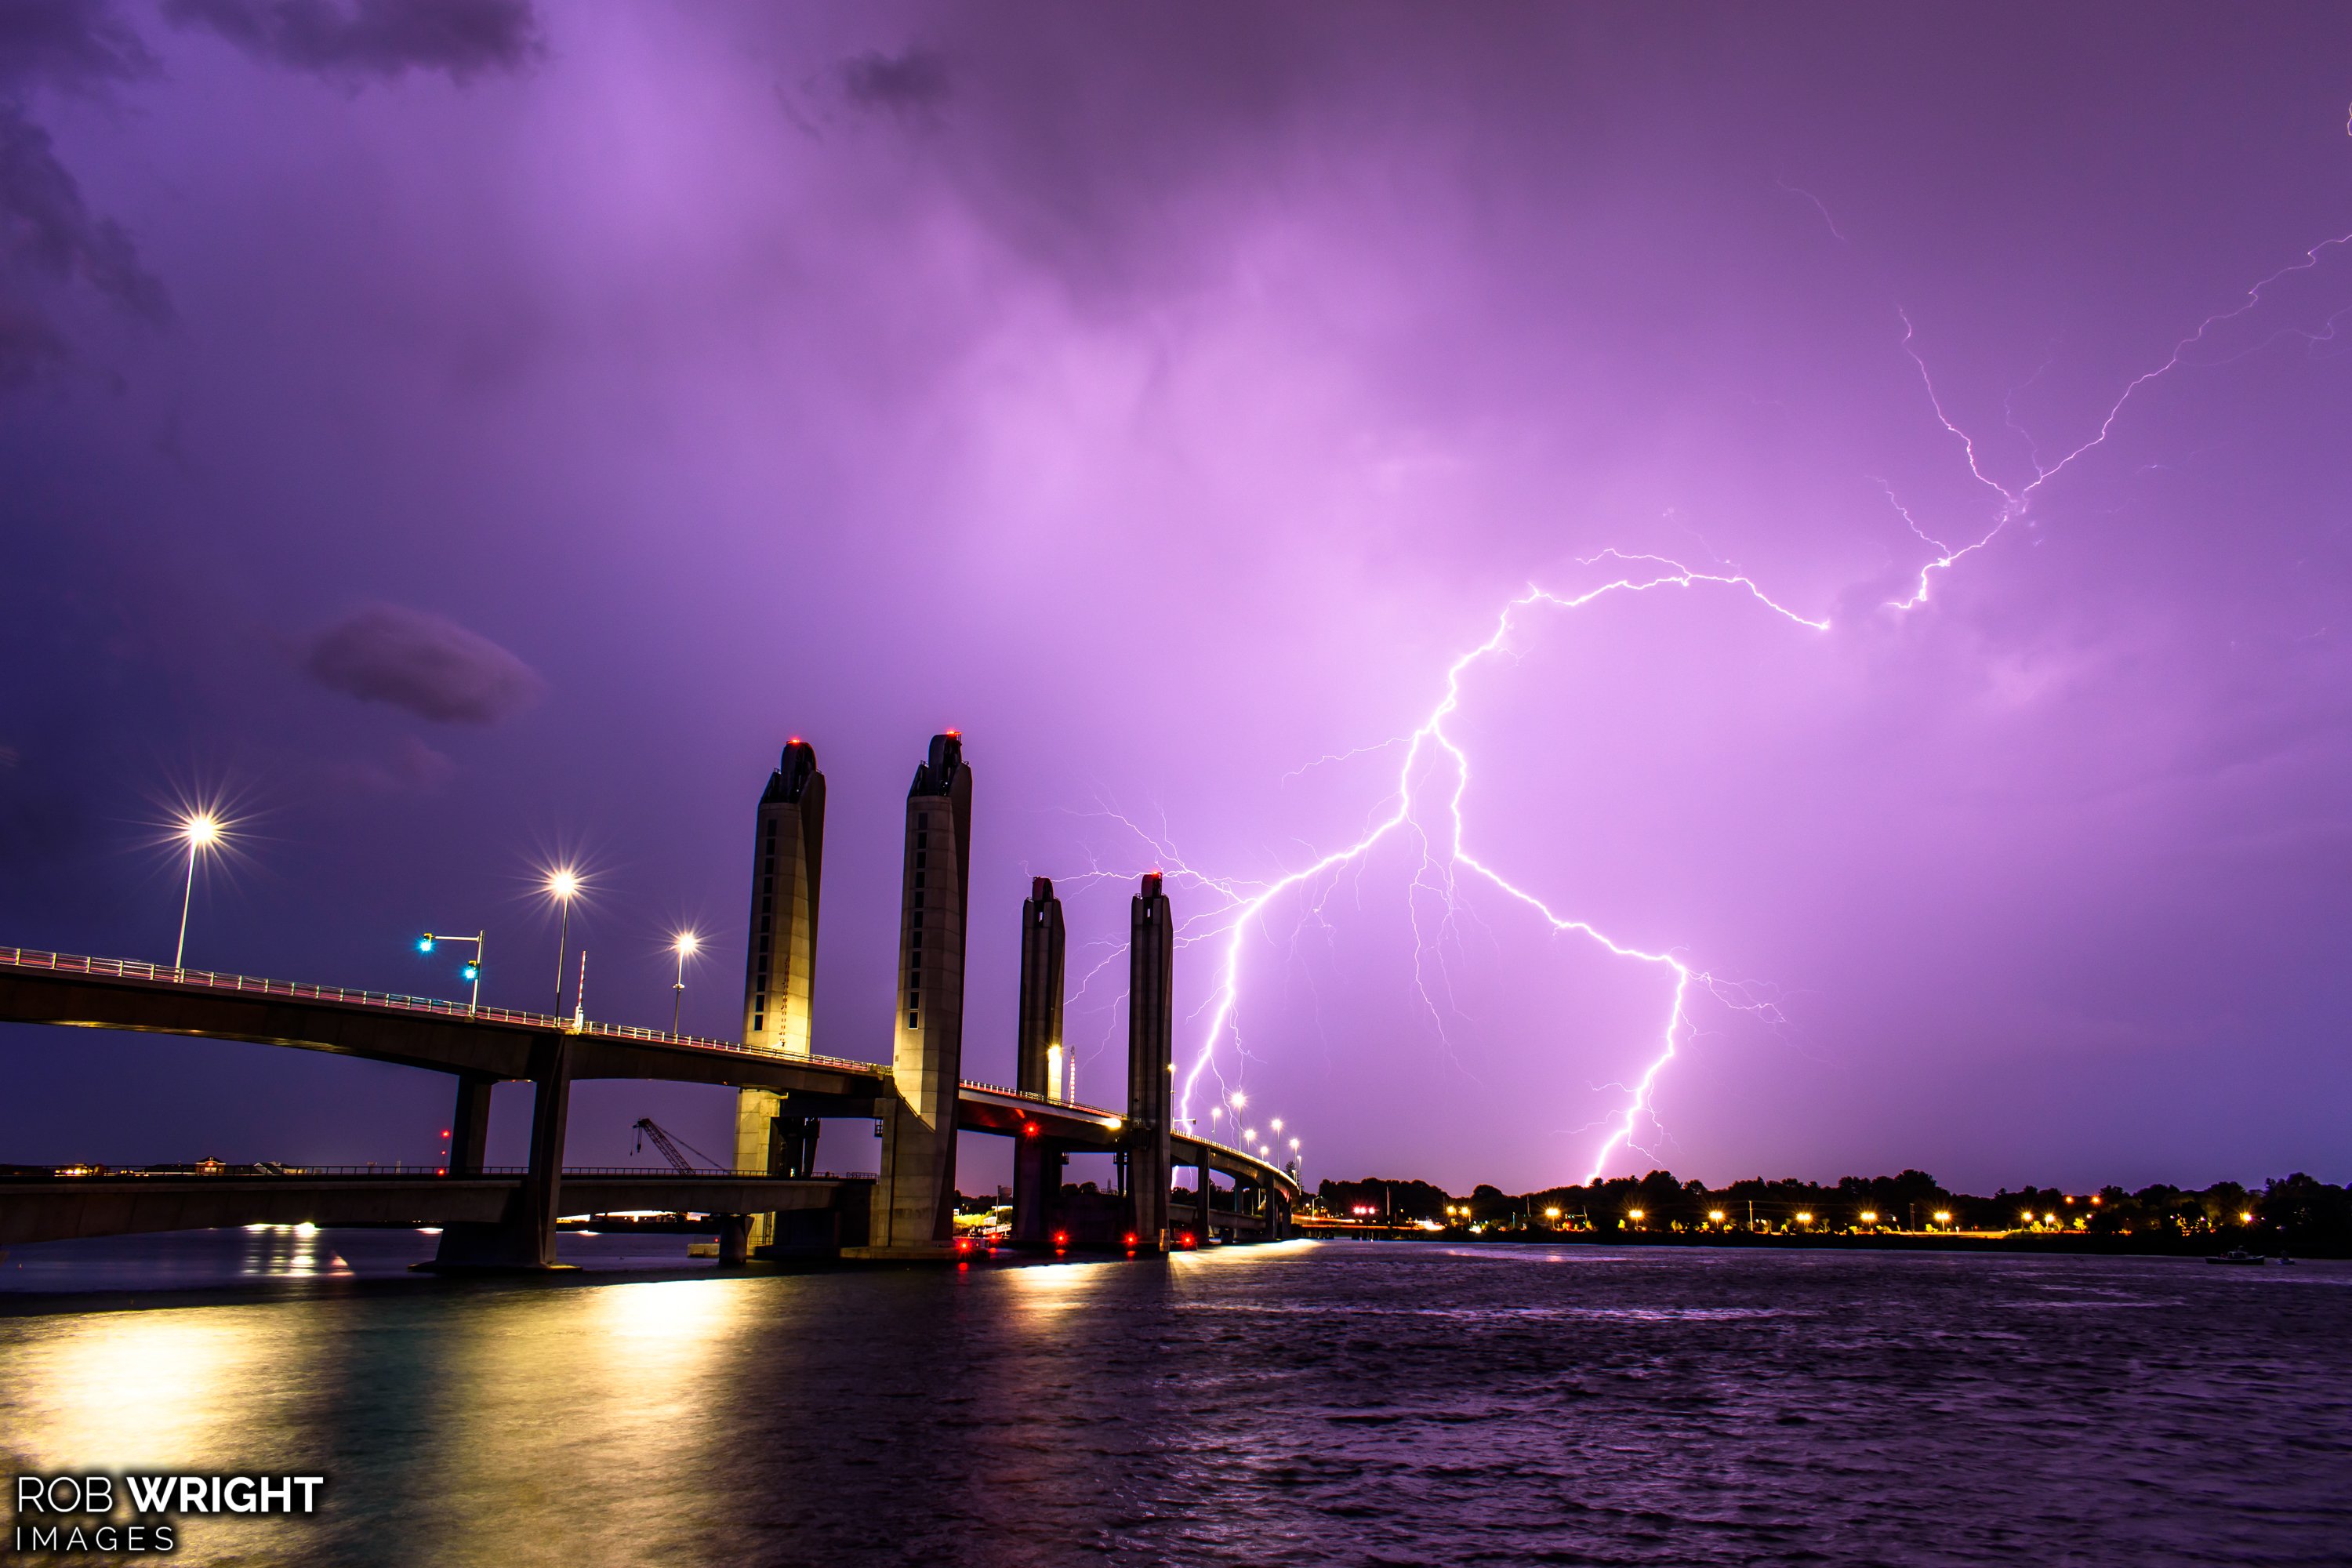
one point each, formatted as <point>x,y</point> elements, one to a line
<point>465,434</point>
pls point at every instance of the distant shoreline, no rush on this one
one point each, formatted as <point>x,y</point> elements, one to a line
<point>2069,1245</point>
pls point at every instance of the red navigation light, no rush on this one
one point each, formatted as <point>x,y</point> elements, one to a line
<point>1061,1238</point>
<point>445,1132</point>
<point>1131,1238</point>
<point>956,734</point>
<point>1029,1130</point>
<point>794,741</point>
<point>963,1243</point>
<point>1187,1238</point>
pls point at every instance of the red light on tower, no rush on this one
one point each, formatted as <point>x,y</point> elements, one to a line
<point>1029,1130</point>
<point>1061,1239</point>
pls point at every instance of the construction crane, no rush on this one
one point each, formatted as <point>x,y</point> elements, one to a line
<point>669,1145</point>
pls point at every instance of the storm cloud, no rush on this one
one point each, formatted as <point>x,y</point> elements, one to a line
<point>422,664</point>
<point>50,240</point>
<point>374,37</point>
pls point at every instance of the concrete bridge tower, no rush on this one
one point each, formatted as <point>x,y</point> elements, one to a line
<point>1038,1068</point>
<point>1038,1061</point>
<point>1150,1060</point>
<point>780,964</point>
<point>913,1213</point>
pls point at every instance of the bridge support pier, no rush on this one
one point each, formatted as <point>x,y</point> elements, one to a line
<point>469,1123</point>
<point>734,1239</point>
<point>1151,1062</point>
<point>524,1238</point>
<point>1036,1183</point>
<point>913,1214</point>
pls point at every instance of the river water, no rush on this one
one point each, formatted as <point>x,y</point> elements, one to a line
<point>1302,1404</point>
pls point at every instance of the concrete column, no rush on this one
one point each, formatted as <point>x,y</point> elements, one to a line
<point>1038,1056</point>
<point>755,1141</point>
<point>780,950</point>
<point>734,1240</point>
<point>469,1123</point>
<point>1036,1189</point>
<point>551,1114</point>
<point>525,1237</point>
<point>914,1201</point>
<point>1150,1059</point>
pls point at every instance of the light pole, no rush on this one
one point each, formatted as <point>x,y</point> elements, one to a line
<point>686,945</point>
<point>473,967</point>
<point>561,884</point>
<point>202,830</point>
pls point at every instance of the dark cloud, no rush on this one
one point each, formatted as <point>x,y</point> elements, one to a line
<point>48,239</point>
<point>374,37</point>
<point>67,43</point>
<point>432,668</point>
<point>913,82</point>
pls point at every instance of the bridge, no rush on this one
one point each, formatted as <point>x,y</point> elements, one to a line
<point>772,1202</point>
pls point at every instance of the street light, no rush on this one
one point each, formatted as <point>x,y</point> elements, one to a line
<point>561,884</point>
<point>1805,1216</point>
<point>1943,1216</point>
<point>1715,1216</point>
<point>202,829</point>
<point>1239,1099</point>
<point>686,945</point>
<point>472,968</point>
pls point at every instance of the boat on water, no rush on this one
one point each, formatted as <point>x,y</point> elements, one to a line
<point>2241,1256</point>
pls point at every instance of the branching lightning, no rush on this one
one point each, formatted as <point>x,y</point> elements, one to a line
<point>1430,750</point>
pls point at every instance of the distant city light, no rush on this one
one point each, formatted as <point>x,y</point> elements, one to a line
<point>2246,1217</point>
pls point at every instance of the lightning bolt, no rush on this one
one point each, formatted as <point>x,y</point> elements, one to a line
<point>1430,748</point>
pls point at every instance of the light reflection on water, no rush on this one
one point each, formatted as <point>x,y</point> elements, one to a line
<point>1301,1404</point>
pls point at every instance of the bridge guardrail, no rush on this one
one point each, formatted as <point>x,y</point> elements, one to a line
<point>216,980</point>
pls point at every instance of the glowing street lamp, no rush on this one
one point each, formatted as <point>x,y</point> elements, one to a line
<point>563,884</point>
<point>202,831</point>
<point>1636,1215</point>
<point>686,945</point>
<point>1805,1216</point>
<point>1870,1216</point>
<point>1715,1216</point>
<point>1239,1099</point>
<point>472,968</point>
<point>1943,1216</point>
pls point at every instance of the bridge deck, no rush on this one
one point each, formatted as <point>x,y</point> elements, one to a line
<point>74,991</point>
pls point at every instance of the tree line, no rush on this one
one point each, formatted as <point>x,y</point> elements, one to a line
<point>2295,1211</point>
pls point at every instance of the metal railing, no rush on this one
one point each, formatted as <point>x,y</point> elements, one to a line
<point>392,1001</point>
